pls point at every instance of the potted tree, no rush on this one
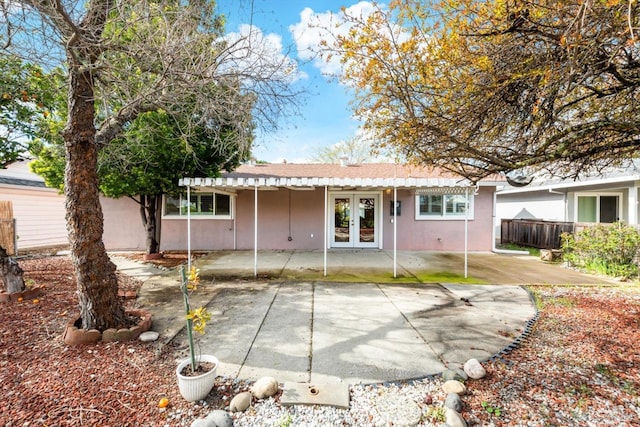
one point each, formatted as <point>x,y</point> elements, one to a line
<point>196,374</point>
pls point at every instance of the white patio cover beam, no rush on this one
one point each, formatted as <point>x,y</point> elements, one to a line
<point>426,185</point>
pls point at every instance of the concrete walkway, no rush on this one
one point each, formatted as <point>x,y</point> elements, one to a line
<point>299,327</point>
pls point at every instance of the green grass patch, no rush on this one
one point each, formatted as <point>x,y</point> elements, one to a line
<point>514,247</point>
<point>447,277</point>
<point>368,276</point>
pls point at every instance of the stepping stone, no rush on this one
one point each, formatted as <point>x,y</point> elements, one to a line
<point>315,394</point>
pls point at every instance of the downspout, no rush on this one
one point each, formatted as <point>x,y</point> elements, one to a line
<point>493,234</point>
<point>565,213</point>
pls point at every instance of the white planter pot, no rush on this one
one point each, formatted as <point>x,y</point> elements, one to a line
<point>197,387</point>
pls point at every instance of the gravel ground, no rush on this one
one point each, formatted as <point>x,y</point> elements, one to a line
<point>579,367</point>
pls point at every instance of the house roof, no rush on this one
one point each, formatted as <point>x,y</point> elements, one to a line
<point>613,177</point>
<point>18,174</point>
<point>301,175</point>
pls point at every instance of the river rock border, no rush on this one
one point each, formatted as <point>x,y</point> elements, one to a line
<point>455,379</point>
<point>73,335</point>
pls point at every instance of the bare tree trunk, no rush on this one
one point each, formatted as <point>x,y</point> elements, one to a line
<point>150,211</point>
<point>96,278</point>
<point>12,274</point>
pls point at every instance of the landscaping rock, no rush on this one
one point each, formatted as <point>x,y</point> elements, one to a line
<point>265,387</point>
<point>454,402</point>
<point>203,422</point>
<point>240,402</point>
<point>220,418</point>
<point>455,374</point>
<point>474,369</point>
<point>149,336</point>
<point>453,386</point>
<point>454,419</point>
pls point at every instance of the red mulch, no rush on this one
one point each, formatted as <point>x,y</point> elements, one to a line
<point>582,358</point>
<point>580,367</point>
<point>43,381</point>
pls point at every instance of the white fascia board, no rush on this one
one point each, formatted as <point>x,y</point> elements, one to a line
<point>572,184</point>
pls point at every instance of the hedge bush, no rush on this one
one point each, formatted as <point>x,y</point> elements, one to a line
<point>609,249</point>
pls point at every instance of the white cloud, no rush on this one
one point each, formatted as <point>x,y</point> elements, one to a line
<point>315,28</point>
<point>254,53</point>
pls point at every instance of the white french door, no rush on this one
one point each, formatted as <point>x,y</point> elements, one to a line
<point>354,220</point>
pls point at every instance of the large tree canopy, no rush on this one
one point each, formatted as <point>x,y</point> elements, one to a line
<point>23,94</point>
<point>484,87</point>
<point>148,159</point>
<point>125,58</point>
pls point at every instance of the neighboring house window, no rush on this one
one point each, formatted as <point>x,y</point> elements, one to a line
<point>212,204</point>
<point>603,208</point>
<point>443,206</point>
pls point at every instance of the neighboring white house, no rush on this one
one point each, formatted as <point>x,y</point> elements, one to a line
<point>598,199</point>
<point>38,211</point>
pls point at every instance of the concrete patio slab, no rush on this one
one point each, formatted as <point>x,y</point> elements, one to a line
<point>317,331</point>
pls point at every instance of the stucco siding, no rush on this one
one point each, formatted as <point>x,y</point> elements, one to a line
<point>282,214</point>
<point>439,235</point>
<point>122,224</point>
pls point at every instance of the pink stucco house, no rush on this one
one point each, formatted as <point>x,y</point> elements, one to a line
<point>317,206</point>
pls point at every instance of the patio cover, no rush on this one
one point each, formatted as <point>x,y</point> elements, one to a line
<point>333,177</point>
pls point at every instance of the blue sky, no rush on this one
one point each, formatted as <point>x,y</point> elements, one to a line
<point>326,117</point>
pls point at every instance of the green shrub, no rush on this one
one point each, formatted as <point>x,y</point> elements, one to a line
<point>605,249</point>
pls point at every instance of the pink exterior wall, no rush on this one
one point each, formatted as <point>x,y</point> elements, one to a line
<point>297,214</point>
<point>274,221</point>
<point>122,224</point>
<point>414,235</point>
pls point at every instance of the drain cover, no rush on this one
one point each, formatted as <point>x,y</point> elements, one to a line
<point>315,394</point>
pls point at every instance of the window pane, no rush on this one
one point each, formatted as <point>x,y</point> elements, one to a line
<point>223,204</point>
<point>587,208</point>
<point>367,219</point>
<point>430,205</point>
<point>456,204</point>
<point>609,209</point>
<point>206,204</point>
<point>172,205</point>
<point>193,205</point>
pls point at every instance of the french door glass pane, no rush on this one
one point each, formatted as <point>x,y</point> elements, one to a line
<point>342,211</point>
<point>367,219</point>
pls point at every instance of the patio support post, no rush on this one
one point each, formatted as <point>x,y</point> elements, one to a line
<point>395,229</point>
<point>326,229</point>
<point>189,227</point>
<point>466,231</point>
<point>255,230</point>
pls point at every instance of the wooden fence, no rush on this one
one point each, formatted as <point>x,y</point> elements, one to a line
<point>7,227</point>
<point>534,233</point>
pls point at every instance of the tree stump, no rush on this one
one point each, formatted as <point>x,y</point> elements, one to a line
<point>12,274</point>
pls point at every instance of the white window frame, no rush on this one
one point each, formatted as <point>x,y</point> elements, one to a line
<point>444,216</point>
<point>597,195</point>
<point>199,215</point>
